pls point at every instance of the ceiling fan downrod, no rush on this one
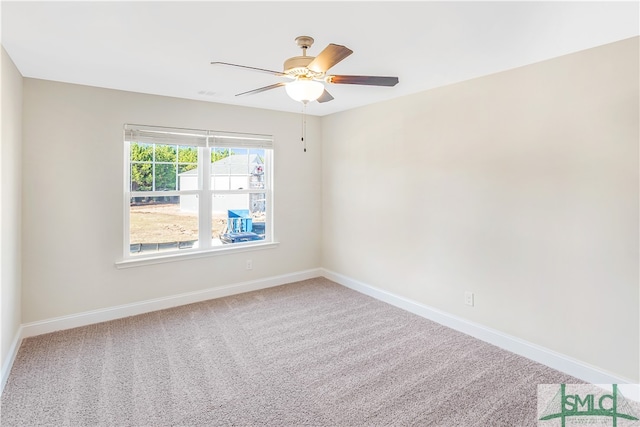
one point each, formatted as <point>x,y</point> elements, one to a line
<point>304,43</point>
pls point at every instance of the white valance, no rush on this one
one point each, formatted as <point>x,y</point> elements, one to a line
<point>194,137</point>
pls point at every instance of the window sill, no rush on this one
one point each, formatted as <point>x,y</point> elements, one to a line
<point>161,259</point>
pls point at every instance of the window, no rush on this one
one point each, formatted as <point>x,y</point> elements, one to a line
<point>190,191</point>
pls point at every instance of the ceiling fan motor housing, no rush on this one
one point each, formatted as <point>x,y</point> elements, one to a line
<point>297,67</point>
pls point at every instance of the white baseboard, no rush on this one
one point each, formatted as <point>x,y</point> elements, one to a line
<point>11,357</point>
<point>529,350</point>
<point>555,360</point>
<point>102,315</point>
<point>126,310</point>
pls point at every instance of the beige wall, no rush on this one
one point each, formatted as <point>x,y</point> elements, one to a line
<point>521,187</point>
<point>10,209</point>
<point>73,202</point>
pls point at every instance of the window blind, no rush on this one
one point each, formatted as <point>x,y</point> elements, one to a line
<point>194,137</point>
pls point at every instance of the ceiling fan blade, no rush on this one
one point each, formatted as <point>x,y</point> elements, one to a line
<point>262,89</point>
<point>277,73</point>
<point>363,80</point>
<point>325,97</point>
<point>329,57</point>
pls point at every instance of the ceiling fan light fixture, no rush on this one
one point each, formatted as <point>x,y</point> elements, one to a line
<point>309,73</point>
<point>304,91</point>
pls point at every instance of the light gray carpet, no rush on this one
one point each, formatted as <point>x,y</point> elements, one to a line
<point>307,353</point>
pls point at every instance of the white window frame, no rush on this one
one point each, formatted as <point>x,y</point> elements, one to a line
<point>204,140</point>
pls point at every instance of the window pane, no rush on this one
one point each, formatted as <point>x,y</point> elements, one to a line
<point>187,154</point>
<point>187,177</point>
<point>165,177</point>
<point>220,182</point>
<point>238,217</point>
<point>186,168</point>
<point>141,152</point>
<point>165,153</point>
<point>257,169</point>
<point>257,157</point>
<point>141,176</point>
<point>163,223</point>
<point>218,153</point>
<point>237,169</point>
<point>221,168</point>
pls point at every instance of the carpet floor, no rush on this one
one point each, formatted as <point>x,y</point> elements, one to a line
<point>311,353</point>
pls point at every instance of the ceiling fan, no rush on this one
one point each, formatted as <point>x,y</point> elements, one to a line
<point>307,73</point>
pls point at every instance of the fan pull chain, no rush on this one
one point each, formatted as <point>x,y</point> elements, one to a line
<point>304,126</point>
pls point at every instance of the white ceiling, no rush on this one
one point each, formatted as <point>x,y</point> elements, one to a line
<point>165,48</point>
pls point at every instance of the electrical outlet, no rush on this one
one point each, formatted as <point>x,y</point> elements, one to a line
<point>468,298</point>
<point>249,264</point>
